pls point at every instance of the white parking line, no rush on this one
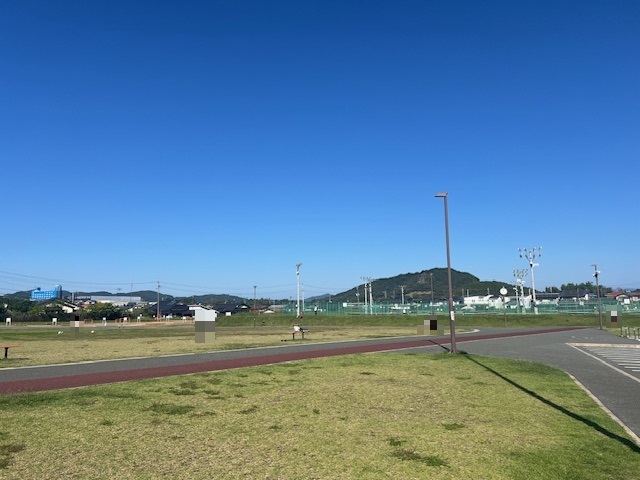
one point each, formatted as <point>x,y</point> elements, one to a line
<point>613,353</point>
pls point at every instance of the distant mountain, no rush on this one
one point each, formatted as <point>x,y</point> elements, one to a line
<point>417,287</point>
<point>150,296</point>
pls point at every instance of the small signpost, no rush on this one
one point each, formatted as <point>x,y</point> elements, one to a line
<point>503,292</point>
<point>205,325</point>
<point>75,325</point>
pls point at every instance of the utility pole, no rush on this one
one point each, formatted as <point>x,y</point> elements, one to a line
<point>254,305</point>
<point>158,304</point>
<point>530,255</point>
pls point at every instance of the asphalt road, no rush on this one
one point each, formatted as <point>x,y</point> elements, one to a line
<point>592,356</point>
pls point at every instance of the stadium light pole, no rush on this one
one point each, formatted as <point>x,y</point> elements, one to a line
<point>597,272</point>
<point>452,315</point>
<point>298,288</point>
<point>530,255</point>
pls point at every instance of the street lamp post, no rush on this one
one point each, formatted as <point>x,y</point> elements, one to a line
<point>452,316</point>
<point>530,255</point>
<point>298,289</point>
<point>597,272</point>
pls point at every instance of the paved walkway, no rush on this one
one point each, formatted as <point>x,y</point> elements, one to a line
<point>586,354</point>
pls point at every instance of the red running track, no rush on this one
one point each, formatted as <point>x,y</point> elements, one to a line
<point>87,379</point>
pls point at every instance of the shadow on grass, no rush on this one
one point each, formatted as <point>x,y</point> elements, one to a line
<point>439,345</point>
<point>626,442</point>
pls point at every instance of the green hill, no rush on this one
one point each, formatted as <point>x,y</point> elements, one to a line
<point>417,287</point>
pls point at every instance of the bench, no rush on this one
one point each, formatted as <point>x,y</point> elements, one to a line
<point>7,347</point>
<point>300,330</point>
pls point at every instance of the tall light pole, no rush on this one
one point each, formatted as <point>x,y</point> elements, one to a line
<point>519,282</point>
<point>597,272</point>
<point>530,254</point>
<point>431,278</point>
<point>254,305</point>
<point>368,302</point>
<point>298,288</point>
<point>452,315</point>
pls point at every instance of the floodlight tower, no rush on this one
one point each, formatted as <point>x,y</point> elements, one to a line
<point>367,292</point>
<point>530,254</point>
<point>597,272</point>
<point>519,282</point>
<point>298,288</point>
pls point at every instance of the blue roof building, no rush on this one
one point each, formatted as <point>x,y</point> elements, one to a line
<point>38,294</point>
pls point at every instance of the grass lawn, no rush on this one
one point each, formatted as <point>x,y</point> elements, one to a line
<point>43,346</point>
<point>40,345</point>
<point>368,416</point>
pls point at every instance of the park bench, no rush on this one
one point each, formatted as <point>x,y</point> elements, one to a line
<point>7,346</point>
<point>300,330</point>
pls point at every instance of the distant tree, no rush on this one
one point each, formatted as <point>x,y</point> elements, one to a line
<point>97,311</point>
<point>586,287</point>
<point>18,305</point>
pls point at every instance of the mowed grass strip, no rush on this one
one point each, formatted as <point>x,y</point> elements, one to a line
<point>44,346</point>
<point>374,416</point>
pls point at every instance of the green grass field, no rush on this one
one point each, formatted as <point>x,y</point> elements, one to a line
<point>375,416</point>
<point>41,344</point>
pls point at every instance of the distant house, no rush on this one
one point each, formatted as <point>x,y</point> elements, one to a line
<point>484,301</point>
<point>231,308</point>
<point>172,308</point>
<point>58,307</point>
<point>118,300</point>
<point>574,295</point>
<point>195,308</point>
<point>634,296</point>
<point>619,295</point>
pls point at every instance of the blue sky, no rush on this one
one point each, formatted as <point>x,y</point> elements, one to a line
<point>212,145</point>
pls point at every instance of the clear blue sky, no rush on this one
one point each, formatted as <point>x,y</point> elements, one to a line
<point>212,145</point>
